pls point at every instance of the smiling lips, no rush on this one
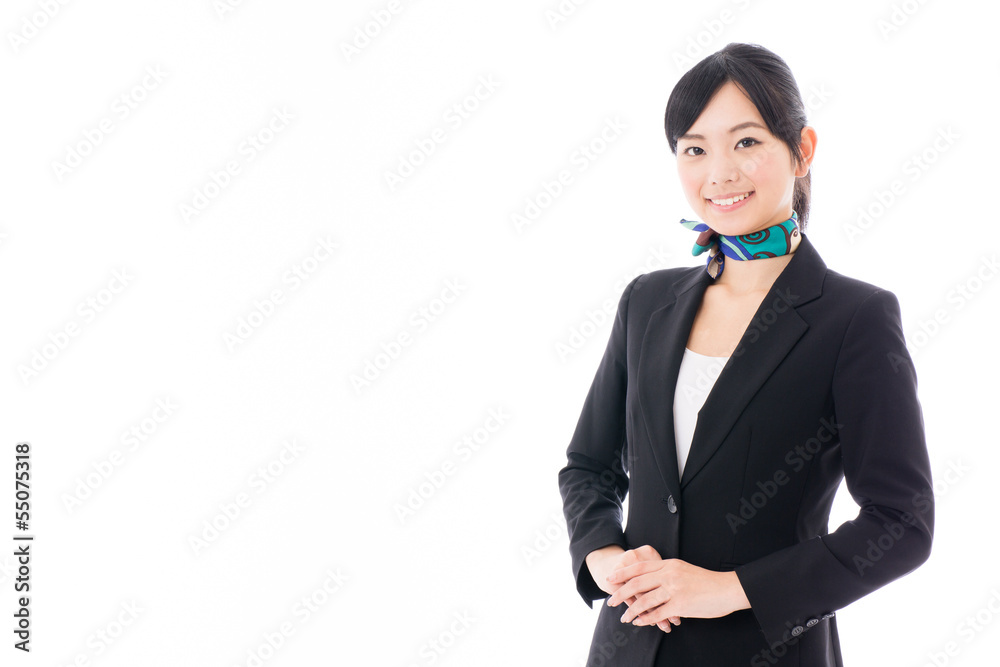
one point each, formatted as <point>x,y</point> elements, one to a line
<point>731,200</point>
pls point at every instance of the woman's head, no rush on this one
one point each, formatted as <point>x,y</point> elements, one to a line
<point>741,84</point>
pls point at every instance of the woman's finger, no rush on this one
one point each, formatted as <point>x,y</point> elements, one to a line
<point>667,624</point>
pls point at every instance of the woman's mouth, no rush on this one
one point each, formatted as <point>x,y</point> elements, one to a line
<point>732,203</point>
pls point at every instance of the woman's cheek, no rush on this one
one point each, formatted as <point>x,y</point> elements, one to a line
<point>691,185</point>
<point>752,165</point>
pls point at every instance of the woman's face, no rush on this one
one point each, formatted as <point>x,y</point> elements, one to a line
<point>729,151</point>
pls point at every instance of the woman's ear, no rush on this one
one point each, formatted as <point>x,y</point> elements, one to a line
<point>807,148</point>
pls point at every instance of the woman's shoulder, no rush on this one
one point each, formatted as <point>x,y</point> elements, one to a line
<point>668,279</point>
<point>655,288</point>
<point>853,290</point>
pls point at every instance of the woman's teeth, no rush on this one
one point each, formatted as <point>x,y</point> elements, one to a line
<point>731,200</point>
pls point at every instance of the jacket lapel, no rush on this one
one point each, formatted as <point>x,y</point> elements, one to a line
<point>772,332</point>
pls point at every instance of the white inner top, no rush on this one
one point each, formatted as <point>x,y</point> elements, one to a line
<point>695,379</point>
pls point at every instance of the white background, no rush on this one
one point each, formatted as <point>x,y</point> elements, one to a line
<point>488,544</point>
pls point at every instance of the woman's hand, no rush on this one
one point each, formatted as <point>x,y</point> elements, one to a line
<point>667,589</point>
<point>616,561</point>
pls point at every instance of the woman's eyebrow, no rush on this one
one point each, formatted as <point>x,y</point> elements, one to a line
<point>736,128</point>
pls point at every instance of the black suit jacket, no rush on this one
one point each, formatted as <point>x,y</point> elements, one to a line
<point>821,387</point>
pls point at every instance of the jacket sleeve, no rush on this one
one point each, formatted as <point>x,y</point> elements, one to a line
<point>887,470</point>
<point>594,482</point>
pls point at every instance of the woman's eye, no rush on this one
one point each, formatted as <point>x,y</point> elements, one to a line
<point>740,144</point>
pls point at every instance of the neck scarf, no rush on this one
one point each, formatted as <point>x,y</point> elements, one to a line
<point>769,242</point>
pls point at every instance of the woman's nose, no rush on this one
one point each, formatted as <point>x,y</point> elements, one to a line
<point>723,169</point>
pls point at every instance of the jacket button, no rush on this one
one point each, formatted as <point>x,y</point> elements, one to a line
<point>797,630</point>
<point>811,622</point>
<point>671,505</point>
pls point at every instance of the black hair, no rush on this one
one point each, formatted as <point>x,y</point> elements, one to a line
<point>766,79</point>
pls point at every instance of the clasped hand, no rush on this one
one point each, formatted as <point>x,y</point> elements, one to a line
<point>659,592</point>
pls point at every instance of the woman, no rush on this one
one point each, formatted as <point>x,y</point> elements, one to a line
<point>726,558</point>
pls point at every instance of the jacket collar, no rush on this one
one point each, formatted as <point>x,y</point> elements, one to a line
<point>773,330</point>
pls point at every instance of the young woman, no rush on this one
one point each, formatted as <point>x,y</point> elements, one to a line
<point>726,558</point>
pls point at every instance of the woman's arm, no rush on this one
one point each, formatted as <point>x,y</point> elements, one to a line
<point>887,470</point>
<point>593,484</point>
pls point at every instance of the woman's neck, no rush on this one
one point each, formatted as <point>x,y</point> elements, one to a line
<point>754,275</point>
